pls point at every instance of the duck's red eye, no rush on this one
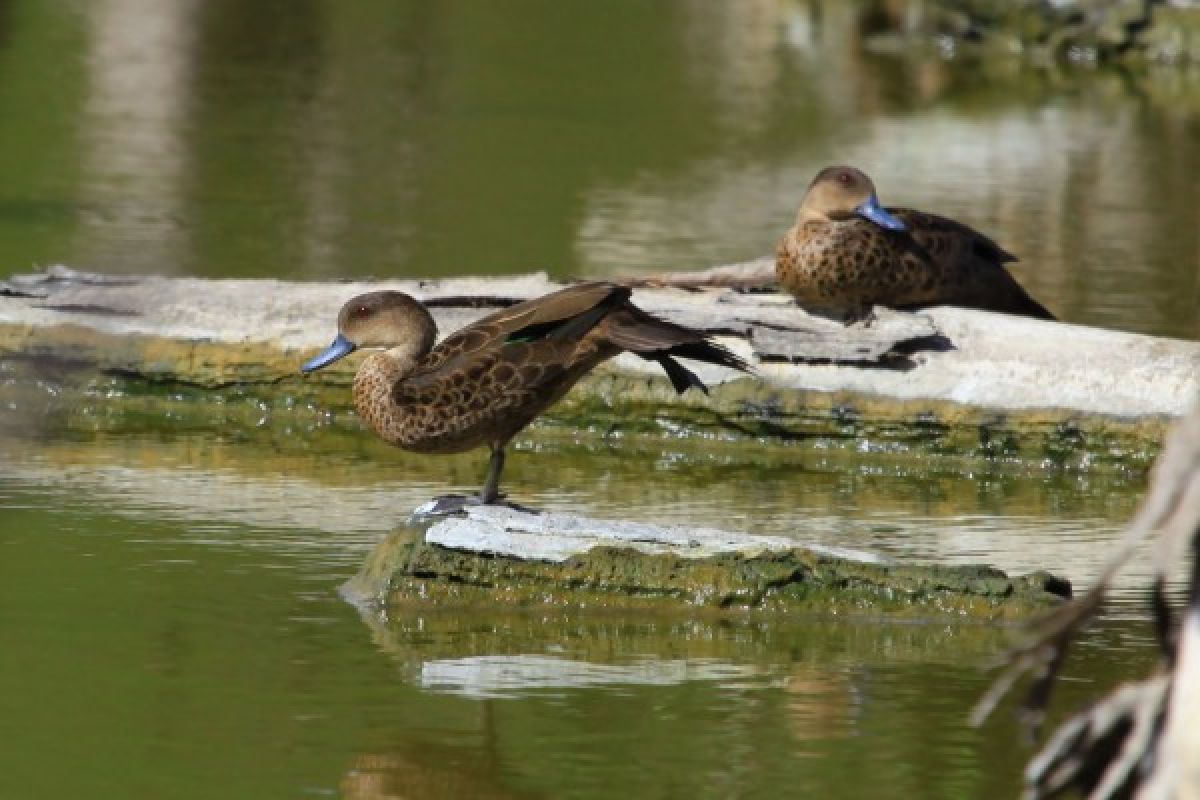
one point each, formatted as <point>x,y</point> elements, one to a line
<point>360,312</point>
<point>845,178</point>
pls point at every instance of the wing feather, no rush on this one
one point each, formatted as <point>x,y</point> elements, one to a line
<point>542,312</point>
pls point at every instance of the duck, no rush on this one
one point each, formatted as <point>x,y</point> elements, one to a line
<point>484,383</point>
<point>847,253</point>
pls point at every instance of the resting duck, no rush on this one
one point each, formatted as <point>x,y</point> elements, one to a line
<point>486,382</point>
<point>847,253</point>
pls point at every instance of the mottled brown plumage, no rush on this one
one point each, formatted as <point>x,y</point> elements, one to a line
<point>489,380</point>
<point>845,254</point>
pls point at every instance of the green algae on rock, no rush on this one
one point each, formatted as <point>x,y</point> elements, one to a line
<point>498,557</point>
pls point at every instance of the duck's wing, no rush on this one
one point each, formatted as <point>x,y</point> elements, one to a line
<point>566,314</point>
<point>949,240</point>
<point>973,264</point>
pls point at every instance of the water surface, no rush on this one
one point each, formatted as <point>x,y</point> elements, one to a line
<point>172,624</point>
<point>320,139</point>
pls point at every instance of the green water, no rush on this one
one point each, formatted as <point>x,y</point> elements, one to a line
<point>169,618</point>
<point>318,139</point>
<point>172,628</point>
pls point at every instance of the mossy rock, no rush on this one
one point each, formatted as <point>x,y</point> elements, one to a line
<point>754,575</point>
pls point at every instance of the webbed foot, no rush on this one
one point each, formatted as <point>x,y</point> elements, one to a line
<point>449,504</point>
<point>862,315</point>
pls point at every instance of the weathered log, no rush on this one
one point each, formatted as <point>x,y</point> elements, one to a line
<point>956,378</point>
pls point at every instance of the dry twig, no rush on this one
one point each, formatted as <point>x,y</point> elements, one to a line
<point>1131,743</point>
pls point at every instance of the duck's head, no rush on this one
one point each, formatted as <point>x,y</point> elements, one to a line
<point>388,320</point>
<point>839,193</point>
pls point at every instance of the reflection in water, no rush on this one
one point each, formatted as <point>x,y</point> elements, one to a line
<point>424,138</point>
<point>135,163</point>
<point>423,771</point>
<point>822,704</point>
<point>821,667</point>
<point>511,676</point>
<point>607,695</point>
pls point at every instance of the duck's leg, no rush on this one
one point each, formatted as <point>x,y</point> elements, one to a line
<point>490,492</point>
<point>489,495</point>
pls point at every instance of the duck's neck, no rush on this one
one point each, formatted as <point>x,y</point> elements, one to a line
<point>804,215</point>
<point>374,396</point>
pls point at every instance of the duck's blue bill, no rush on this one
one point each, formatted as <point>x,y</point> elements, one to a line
<point>340,348</point>
<point>878,214</point>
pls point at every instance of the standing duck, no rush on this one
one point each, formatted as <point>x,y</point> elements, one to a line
<point>486,382</point>
<point>847,253</point>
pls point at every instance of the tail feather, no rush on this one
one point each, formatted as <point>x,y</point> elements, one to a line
<point>1027,306</point>
<point>999,291</point>
<point>989,286</point>
<point>656,339</point>
<point>711,353</point>
<point>681,377</point>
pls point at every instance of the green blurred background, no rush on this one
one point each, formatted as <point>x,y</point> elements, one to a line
<point>313,139</point>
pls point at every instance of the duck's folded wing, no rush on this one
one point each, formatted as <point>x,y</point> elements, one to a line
<point>945,238</point>
<point>976,264</point>
<point>569,312</point>
<point>496,390</point>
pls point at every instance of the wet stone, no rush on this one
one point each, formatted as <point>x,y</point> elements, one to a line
<point>487,556</point>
